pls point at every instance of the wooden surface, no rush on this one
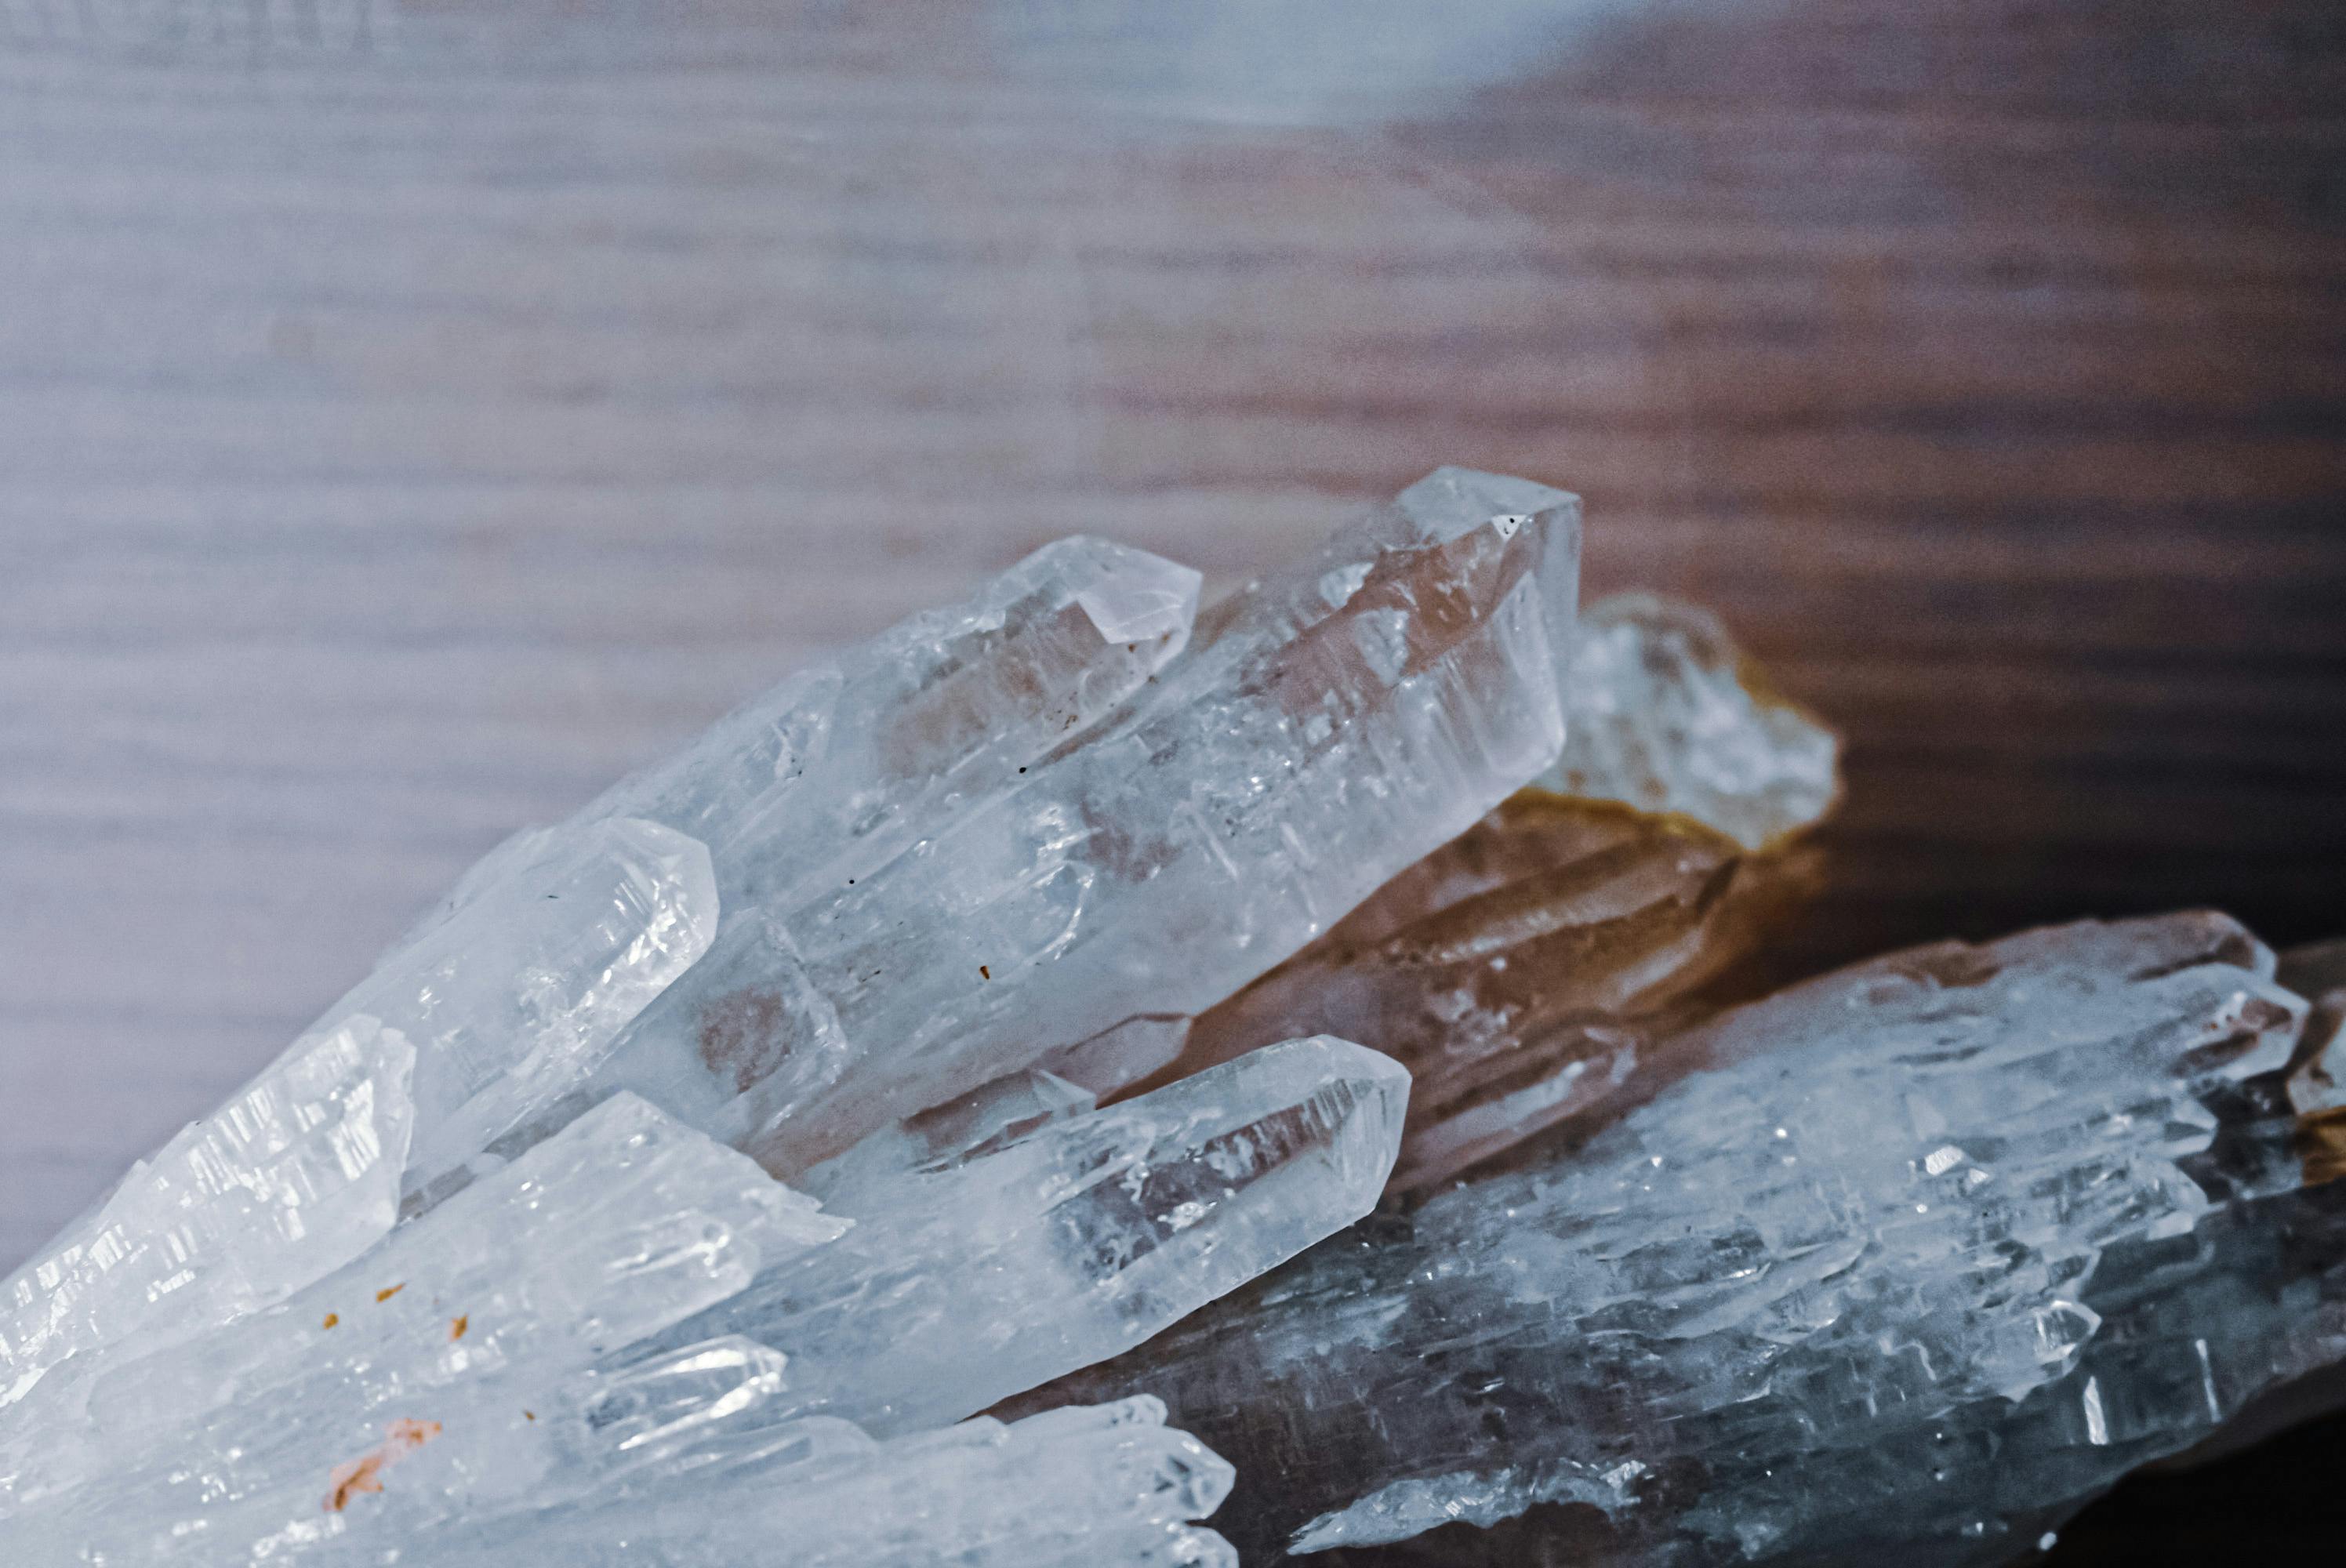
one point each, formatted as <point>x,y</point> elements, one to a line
<point>413,415</point>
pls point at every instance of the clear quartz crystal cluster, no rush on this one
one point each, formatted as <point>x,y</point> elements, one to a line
<point>496,1258</point>
<point>912,1124</point>
<point>1917,1257</point>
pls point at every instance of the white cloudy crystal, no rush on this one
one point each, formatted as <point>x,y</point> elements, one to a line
<point>1870,1215</point>
<point>841,769</point>
<point>565,1332</point>
<point>1665,716</point>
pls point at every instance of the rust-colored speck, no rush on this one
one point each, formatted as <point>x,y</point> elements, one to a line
<point>457,1329</point>
<point>388,1291</point>
<point>364,1473</point>
<point>529,1415</point>
<point>983,972</point>
<point>333,1318</point>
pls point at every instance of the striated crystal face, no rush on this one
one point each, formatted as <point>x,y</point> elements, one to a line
<point>1778,1303</point>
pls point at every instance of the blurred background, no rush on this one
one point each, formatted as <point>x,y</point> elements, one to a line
<point>415,413</point>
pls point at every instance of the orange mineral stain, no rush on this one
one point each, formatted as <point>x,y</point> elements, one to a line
<point>333,1318</point>
<point>457,1329</point>
<point>364,1473</point>
<point>388,1291</point>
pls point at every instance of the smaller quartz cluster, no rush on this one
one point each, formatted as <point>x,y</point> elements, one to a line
<point>1074,1028</point>
<point>1930,1249</point>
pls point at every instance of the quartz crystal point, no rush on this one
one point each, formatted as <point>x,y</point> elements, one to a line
<point>1913,1258</point>
<point>447,1042</point>
<point>504,1376</point>
<point>1519,969</point>
<point>1322,730</point>
<point>295,1176</point>
<point>820,785</point>
<point>614,1229</point>
<point>1667,715</point>
<point>1063,1236</point>
<point>506,1012</point>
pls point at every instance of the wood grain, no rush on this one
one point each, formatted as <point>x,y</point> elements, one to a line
<point>413,415</point>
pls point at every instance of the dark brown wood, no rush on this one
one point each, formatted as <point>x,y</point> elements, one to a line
<point>412,414</point>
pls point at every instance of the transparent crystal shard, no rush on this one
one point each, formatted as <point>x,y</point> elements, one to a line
<point>1321,731</point>
<point>1110,1487</point>
<point>610,1231</point>
<point>839,769</point>
<point>293,1178</point>
<point>453,1039</point>
<point>1667,715</point>
<point>1520,969</point>
<point>968,1281</point>
<point>516,999</point>
<point>1851,1228</point>
<point>1516,970</point>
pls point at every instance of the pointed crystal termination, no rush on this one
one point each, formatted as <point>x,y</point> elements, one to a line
<point>1862,1218</point>
<point>1519,969</point>
<point>1102,1488</point>
<point>848,764</point>
<point>809,787</point>
<point>612,1230</point>
<point>1322,730</point>
<point>291,1180</point>
<point>977,1277</point>
<point>1669,716</point>
<point>456,1413</point>
<point>507,1002</point>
